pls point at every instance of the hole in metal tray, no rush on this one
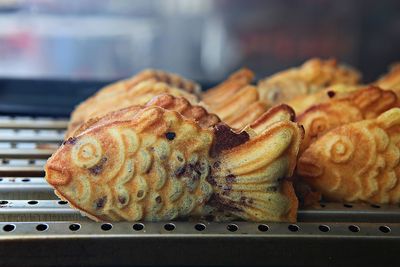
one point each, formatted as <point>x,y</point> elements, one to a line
<point>200,227</point>
<point>354,228</point>
<point>138,226</point>
<point>106,226</point>
<point>42,227</point>
<point>74,227</point>
<point>169,227</point>
<point>232,227</point>
<point>8,227</point>
<point>384,229</point>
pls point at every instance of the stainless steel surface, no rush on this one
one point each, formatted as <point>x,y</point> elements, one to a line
<point>25,188</point>
<point>30,123</point>
<point>16,171</point>
<point>26,153</point>
<point>32,139</point>
<point>33,221</point>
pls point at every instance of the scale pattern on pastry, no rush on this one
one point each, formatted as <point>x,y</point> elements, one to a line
<point>138,95</point>
<point>362,104</point>
<point>357,162</point>
<point>160,166</point>
<point>170,102</point>
<point>313,76</point>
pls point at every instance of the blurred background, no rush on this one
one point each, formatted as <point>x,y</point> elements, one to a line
<point>53,48</point>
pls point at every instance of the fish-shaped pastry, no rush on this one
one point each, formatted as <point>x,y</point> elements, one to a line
<point>228,88</point>
<point>391,80</point>
<point>313,76</point>
<point>240,109</point>
<point>362,104</point>
<point>337,91</point>
<point>137,95</point>
<point>357,162</point>
<point>161,166</point>
<point>179,104</point>
<point>172,79</point>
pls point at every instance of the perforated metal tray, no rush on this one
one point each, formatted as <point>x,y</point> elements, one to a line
<point>38,229</point>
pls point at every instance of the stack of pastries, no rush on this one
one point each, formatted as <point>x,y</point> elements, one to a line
<point>155,147</point>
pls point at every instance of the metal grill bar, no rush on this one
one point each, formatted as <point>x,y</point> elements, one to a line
<point>25,188</point>
<point>159,229</point>
<point>26,153</point>
<point>32,139</point>
<point>14,171</point>
<point>34,222</point>
<point>53,210</point>
<point>34,124</point>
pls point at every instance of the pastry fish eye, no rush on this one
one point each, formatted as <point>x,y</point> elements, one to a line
<point>318,125</point>
<point>341,150</point>
<point>86,152</point>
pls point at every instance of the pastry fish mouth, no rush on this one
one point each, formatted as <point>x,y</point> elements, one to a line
<point>56,175</point>
<point>308,167</point>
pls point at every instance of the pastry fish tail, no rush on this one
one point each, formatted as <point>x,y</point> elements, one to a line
<point>250,179</point>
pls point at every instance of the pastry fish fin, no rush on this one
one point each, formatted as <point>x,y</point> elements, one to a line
<point>249,181</point>
<point>373,101</point>
<point>275,114</point>
<point>390,118</point>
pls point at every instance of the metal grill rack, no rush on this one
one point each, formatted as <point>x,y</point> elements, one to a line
<point>38,229</point>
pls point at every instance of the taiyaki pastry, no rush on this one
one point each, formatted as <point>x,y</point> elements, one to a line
<point>337,91</point>
<point>138,95</point>
<point>391,80</point>
<point>172,79</point>
<point>179,104</point>
<point>161,166</point>
<point>362,104</point>
<point>228,88</point>
<point>246,116</point>
<point>240,109</point>
<point>275,114</point>
<point>313,76</point>
<point>357,162</point>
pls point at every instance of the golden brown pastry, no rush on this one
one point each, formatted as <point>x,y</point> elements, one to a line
<point>357,162</point>
<point>240,108</point>
<point>247,115</point>
<point>160,166</point>
<point>391,80</point>
<point>362,104</point>
<point>276,114</point>
<point>337,91</point>
<point>311,77</point>
<point>172,79</point>
<point>140,94</point>
<point>179,104</point>
<point>228,88</point>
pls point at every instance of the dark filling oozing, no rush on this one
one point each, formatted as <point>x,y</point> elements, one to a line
<point>226,138</point>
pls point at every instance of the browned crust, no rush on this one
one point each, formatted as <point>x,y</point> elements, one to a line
<point>187,110</point>
<point>288,190</point>
<point>313,76</point>
<point>170,78</point>
<point>248,115</point>
<point>166,101</point>
<point>391,80</point>
<point>362,104</point>
<point>237,102</point>
<point>229,87</point>
<point>284,112</point>
<point>369,99</point>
